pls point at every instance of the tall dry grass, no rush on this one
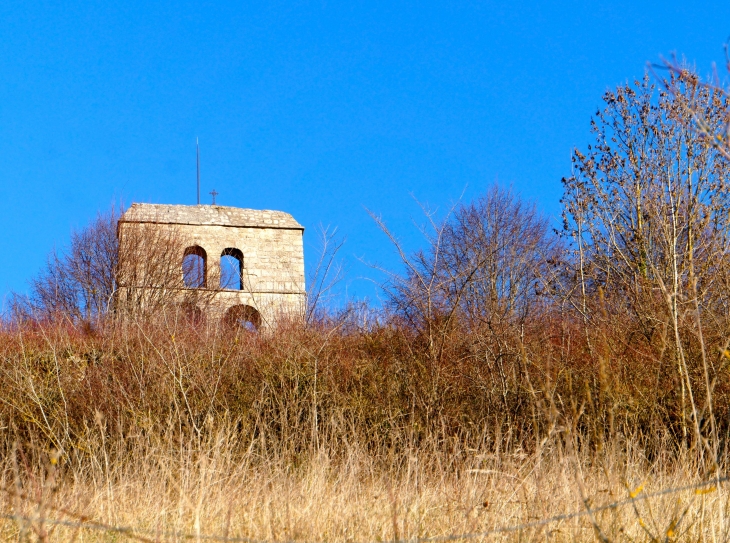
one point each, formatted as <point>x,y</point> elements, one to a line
<point>338,432</point>
<point>214,485</point>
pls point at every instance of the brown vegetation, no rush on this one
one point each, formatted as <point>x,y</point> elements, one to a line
<point>514,374</point>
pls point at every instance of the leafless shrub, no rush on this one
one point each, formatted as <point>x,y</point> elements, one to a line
<point>417,295</point>
<point>325,275</point>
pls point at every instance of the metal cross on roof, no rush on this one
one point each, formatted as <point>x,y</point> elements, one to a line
<point>213,193</point>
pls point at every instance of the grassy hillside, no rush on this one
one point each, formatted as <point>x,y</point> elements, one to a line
<point>336,432</point>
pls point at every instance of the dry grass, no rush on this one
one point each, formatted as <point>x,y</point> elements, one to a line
<point>334,433</point>
<point>208,486</point>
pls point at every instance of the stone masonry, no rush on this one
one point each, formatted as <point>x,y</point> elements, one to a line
<point>269,243</point>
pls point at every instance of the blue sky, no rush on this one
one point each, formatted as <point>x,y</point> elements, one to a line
<point>321,109</point>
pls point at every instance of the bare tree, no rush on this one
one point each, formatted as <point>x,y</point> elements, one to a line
<point>647,211</point>
<point>77,284</point>
<point>648,201</point>
<point>501,254</point>
<point>486,267</point>
<point>714,131</point>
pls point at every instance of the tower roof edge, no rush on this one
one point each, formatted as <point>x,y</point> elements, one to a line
<point>210,215</point>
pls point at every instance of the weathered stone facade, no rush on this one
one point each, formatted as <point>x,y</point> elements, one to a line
<point>268,244</point>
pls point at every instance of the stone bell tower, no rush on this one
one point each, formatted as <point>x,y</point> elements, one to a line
<point>249,262</point>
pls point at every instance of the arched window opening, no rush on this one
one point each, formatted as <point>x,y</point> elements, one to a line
<point>194,267</point>
<point>242,316</point>
<point>232,269</point>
